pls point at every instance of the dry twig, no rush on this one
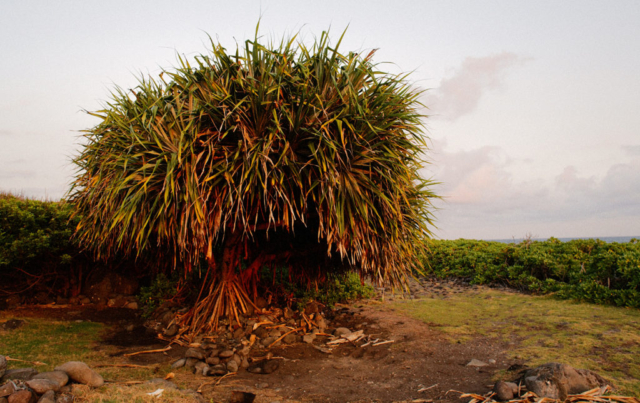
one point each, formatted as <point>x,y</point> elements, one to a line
<point>148,352</point>
<point>215,383</point>
<point>30,362</point>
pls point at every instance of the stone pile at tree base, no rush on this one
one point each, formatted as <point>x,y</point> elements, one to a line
<point>26,385</point>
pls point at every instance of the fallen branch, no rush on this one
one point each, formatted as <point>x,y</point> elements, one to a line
<point>125,366</point>
<point>30,362</point>
<point>257,325</point>
<point>383,342</point>
<point>590,396</point>
<point>148,352</point>
<point>215,383</point>
<point>283,336</point>
<point>425,389</point>
<point>125,382</point>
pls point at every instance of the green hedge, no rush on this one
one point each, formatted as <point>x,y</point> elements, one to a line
<point>34,239</point>
<point>588,270</point>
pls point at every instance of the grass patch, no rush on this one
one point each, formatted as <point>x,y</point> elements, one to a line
<point>49,341</point>
<point>604,339</point>
<point>55,342</point>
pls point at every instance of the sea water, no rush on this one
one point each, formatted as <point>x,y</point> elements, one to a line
<point>609,239</point>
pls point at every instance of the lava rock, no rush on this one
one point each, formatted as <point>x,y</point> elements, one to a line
<point>556,381</point>
<point>48,397</point>
<point>23,396</point>
<point>503,391</point>
<point>266,342</point>
<point>226,354</point>
<point>179,363</point>
<point>59,377</point>
<point>7,389</point>
<point>171,330</point>
<point>341,331</point>
<point>289,339</point>
<point>42,386</point>
<point>18,374</point>
<point>81,373</point>
<point>12,324</point>
<point>232,366</point>
<point>201,368</point>
<point>191,362</point>
<point>213,360</point>
<point>241,397</point>
<point>194,353</point>
<point>264,367</point>
<point>65,398</point>
<point>217,370</point>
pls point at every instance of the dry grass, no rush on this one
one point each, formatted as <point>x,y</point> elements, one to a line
<point>542,329</point>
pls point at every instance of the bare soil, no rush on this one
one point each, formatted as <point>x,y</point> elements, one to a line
<point>419,365</point>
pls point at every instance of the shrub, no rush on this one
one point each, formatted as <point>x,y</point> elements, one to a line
<point>590,270</point>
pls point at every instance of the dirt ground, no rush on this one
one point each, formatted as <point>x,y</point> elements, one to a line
<point>419,365</point>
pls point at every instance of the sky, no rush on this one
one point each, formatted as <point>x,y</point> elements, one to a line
<point>534,121</point>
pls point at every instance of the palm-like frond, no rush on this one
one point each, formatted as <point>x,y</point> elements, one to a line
<point>266,138</point>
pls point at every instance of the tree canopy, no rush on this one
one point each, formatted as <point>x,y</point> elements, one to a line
<point>294,154</point>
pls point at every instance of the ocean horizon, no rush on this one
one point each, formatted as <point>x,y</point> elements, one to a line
<point>608,239</point>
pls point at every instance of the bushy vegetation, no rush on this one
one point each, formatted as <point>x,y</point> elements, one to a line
<point>587,270</point>
<point>278,153</point>
<point>34,242</point>
<point>338,287</point>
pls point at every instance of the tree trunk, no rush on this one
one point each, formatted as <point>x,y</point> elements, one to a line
<point>224,295</point>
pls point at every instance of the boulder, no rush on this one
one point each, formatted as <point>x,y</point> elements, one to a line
<point>476,363</point>
<point>179,363</point>
<point>226,354</point>
<point>232,366</point>
<point>341,331</point>
<point>65,398</point>
<point>556,381</point>
<point>505,391</point>
<point>217,370</point>
<point>48,397</point>
<point>201,368</point>
<point>7,389</point>
<point>194,353</point>
<point>264,367</point>
<point>59,377</point>
<point>81,373</point>
<point>18,374</point>
<point>213,360</point>
<point>22,396</point>
<point>12,324</point>
<point>42,386</point>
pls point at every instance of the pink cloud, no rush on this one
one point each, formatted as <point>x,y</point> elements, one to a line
<point>461,93</point>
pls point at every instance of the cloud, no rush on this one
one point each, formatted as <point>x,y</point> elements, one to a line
<point>483,196</point>
<point>460,94</point>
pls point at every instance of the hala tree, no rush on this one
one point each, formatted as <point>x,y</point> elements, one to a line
<point>273,155</point>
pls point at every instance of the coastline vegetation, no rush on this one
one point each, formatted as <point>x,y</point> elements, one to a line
<point>588,270</point>
<point>35,239</point>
